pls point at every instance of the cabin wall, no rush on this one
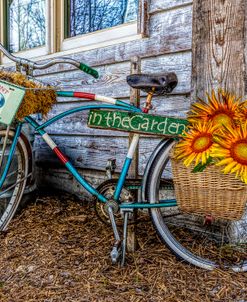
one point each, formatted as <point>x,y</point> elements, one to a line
<point>168,48</point>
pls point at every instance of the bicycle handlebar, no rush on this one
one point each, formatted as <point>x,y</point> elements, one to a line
<point>30,64</point>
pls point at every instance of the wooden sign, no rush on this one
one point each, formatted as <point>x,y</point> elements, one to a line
<point>136,122</point>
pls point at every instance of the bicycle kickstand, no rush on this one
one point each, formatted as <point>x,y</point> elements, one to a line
<point>124,243</point>
<point>119,247</point>
<point>116,250</point>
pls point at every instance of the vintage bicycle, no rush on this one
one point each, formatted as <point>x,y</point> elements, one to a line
<point>220,243</point>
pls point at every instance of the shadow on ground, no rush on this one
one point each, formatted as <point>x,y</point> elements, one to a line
<point>57,250</point>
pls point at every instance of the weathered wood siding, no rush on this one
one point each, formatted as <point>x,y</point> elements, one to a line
<point>168,48</point>
<point>219,46</point>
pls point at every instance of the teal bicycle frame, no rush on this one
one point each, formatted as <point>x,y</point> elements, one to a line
<point>39,128</point>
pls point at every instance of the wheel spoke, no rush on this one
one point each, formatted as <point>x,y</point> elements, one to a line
<point>4,145</point>
<point>204,243</point>
<point>15,184</point>
<point>15,180</point>
<point>12,174</point>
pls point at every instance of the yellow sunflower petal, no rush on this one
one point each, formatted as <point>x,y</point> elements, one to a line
<point>237,167</point>
<point>198,158</point>
<point>221,141</point>
<point>225,161</point>
<point>220,154</point>
<point>204,157</point>
<point>189,160</point>
<point>229,167</point>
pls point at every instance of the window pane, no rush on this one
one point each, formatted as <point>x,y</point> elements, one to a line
<point>26,24</point>
<point>86,16</point>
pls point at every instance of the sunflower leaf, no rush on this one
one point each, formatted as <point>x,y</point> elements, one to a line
<point>201,167</point>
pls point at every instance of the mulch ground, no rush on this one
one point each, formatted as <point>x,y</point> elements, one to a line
<point>57,250</point>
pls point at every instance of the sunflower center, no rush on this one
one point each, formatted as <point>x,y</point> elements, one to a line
<point>222,118</point>
<point>239,151</point>
<point>202,143</point>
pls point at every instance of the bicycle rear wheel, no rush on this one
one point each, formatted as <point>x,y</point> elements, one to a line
<point>13,187</point>
<point>220,244</point>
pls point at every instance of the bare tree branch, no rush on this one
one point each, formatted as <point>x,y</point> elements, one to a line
<point>91,15</point>
<point>27,24</point>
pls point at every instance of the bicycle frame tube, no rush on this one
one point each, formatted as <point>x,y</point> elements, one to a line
<point>95,97</point>
<point>126,166</point>
<point>65,160</point>
<point>141,205</point>
<point>83,108</point>
<point>11,154</point>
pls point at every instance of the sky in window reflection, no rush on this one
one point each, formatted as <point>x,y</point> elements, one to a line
<point>91,15</point>
<point>26,24</point>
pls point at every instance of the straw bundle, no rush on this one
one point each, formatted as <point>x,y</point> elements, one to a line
<point>36,100</point>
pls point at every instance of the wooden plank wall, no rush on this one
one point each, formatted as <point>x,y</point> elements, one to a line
<point>168,48</point>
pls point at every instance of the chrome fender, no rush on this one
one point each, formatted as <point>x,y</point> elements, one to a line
<point>165,142</point>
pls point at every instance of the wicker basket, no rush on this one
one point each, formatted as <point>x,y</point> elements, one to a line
<point>209,192</point>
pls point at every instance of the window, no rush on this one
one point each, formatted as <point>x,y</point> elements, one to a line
<point>95,23</point>
<point>26,24</point>
<point>24,27</point>
<point>36,28</point>
<point>92,15</point>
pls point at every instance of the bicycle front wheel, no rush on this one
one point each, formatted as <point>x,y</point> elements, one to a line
<point>14,184</point>
<point>219,244</point>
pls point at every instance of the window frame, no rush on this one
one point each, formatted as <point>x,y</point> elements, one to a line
<point>56,42</point>
<point>29,53</point>
<point>100,38</point>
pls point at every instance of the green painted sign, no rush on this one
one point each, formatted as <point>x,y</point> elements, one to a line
<point>136,122</point>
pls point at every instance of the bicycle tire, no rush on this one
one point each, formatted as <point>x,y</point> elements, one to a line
<point>14,185</point>
<point>189,239</point>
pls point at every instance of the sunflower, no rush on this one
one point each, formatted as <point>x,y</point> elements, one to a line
<point>243,112</point>
<point>222,109</point>
<point>197,144</point>
<point>231,150</point>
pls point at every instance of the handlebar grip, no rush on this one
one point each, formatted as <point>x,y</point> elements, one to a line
<point>89,70</point>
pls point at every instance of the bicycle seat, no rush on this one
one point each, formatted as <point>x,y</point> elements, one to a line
<point>157,83</point>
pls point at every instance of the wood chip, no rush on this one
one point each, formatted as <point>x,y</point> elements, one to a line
<point>57,250</point>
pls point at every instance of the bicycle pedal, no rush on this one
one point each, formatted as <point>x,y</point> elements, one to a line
<point>115,254</point>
